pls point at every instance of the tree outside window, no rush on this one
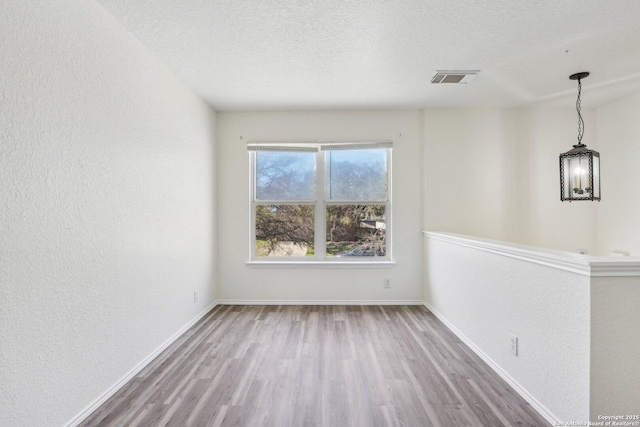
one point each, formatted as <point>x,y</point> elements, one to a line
<point>344,218</point>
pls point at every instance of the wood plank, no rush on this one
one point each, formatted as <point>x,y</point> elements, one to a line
<point>317,366</point>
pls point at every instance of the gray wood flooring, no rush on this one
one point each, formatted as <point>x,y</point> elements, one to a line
<point>317,366</point>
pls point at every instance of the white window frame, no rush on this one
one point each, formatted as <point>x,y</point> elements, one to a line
<point>320,202</point>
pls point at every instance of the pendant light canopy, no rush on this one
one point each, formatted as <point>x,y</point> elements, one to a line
<point>579,167</point>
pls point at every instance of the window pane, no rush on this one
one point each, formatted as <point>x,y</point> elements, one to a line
<point>356,174</point>
<point>285,175</point>
<point>356,230</point>
<point>284,230</point>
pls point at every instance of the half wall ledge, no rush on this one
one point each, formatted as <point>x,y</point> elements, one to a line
<point>587,265</point>
<point>574,318</point>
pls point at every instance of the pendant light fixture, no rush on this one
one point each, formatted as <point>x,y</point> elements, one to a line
<point>579,167</point>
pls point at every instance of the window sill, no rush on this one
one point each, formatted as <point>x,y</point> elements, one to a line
<point>322,264</point>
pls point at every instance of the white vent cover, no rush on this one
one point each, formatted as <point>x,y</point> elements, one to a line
<point>459,77</point>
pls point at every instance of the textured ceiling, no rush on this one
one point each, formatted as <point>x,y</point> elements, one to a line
<point>352,54</point>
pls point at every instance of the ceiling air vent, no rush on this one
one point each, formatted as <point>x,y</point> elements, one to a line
<point>459,77</point>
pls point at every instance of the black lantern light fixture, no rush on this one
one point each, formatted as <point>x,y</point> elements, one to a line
<point>579,167</point>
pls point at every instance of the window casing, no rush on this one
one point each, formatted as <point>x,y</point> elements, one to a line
<point>320,202</point>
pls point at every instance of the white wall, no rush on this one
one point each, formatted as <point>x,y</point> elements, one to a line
<point>106,207</point>
<point>615,347</point>
<point>494,173</point>
<point>487,297</point>
<point>550,223</point>
<point>513,156</point>
<point>469,184</point>
<point>619,142</point>
<point>240,282</point>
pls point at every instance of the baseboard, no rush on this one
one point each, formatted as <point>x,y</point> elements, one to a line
<point>546,413</point>
<point>133,372</point>
<point>318,302</point>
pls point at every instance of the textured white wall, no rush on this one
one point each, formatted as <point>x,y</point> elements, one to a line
<point>487,297</point>
<point>106,207</point>
<point>494,173</point>
<point>615,347</point>
<point>239,282</point>
<point>619,142</point>
<point>467,170</point>
<point>544,133</point>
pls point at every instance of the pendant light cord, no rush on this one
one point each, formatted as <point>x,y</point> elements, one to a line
<point>580,121</point>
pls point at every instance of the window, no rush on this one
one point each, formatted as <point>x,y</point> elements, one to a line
<point>320,201</point>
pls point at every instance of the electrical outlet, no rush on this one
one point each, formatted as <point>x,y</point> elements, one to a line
<point>514,344</point>
<point>195,296</point>
<point>387,283</point>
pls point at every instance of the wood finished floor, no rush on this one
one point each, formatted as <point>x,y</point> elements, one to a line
<point>317,366</point>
